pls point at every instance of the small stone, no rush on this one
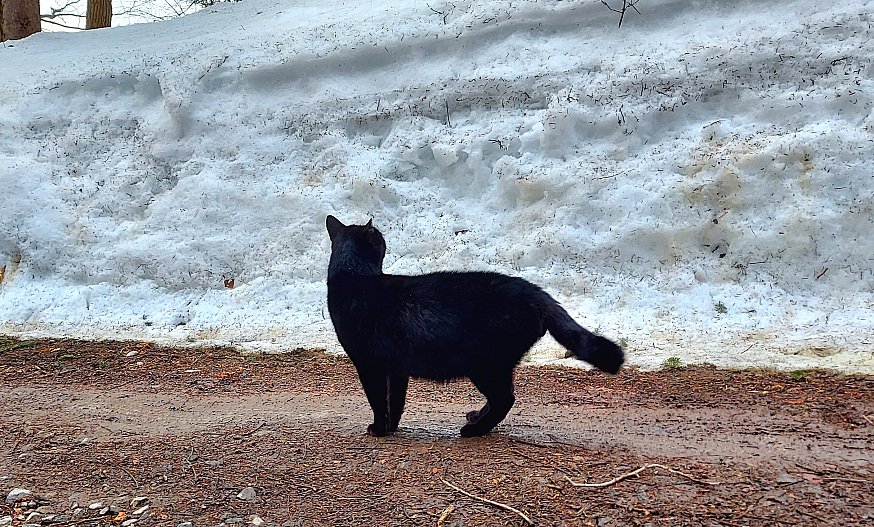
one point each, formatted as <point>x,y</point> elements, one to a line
<point>45,509</point>
<point>60,518</point>
<point>787,479</point>
<point>185,524</point>
<point>104,511</point>
<point>16,495</point>
<point>76,498</point>
<point>140,511</point>
<point>604,520</point>
<point>5,520</point>
<point>34,517</point>
<point>247,494</point>
<point>114,509</point>
<point>139,500</point>
<point>128,523</point>
<point>96,505</point>
<point>256,521</point>
<point>234,521</point>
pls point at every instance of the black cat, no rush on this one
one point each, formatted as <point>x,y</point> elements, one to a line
<point>441,326</point>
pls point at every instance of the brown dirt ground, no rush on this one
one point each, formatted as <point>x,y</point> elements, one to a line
<point>189,429</point>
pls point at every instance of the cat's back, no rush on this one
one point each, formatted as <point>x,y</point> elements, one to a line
<point>467,294</point>
<point>472,282</point>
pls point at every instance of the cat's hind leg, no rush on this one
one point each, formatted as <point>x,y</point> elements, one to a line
<point>397,396</point>
<point>497,386</point>
<point>474,415</point>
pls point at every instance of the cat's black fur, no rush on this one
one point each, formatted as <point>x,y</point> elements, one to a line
<point>441,326</point>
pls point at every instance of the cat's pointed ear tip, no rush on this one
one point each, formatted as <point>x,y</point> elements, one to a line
<point>333,225</point>
<point>370,223</point>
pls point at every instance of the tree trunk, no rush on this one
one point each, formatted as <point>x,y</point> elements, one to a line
<point>18,18</point>
<point>99,14</point>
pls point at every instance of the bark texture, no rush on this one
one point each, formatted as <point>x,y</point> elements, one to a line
<point>18,19</point>
<point>99,14</point>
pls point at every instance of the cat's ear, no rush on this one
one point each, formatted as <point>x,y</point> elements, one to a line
<point>369,224</point>
<point>333,225</point>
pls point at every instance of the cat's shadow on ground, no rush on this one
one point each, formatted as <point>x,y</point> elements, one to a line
<point>418,435</point>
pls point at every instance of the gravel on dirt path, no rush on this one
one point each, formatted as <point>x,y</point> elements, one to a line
<point>129,433</point>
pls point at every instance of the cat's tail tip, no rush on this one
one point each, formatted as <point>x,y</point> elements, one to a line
<point>598,351</point>
<point>602,353</point>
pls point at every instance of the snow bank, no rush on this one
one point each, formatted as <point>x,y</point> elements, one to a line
<point>697,183</point>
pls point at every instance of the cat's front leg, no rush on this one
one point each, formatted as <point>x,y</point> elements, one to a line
<point>375,430</point>
<point>375,382</point>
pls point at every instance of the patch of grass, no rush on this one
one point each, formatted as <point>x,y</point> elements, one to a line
<point>799,375</point>
<point>17,345</point>
<point>720,308</point>
<point>672,362</point>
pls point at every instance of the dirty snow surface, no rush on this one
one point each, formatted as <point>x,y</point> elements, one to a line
<point>697,183</point>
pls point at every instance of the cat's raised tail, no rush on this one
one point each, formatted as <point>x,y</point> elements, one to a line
<point>598,351</point>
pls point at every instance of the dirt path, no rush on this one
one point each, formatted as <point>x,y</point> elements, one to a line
<point>209,436</point>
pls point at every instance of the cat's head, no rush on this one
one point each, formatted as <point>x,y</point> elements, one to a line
<point>357,249</point>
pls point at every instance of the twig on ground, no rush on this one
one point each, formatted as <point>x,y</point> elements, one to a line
<point>850,480</point>
<point>809,470</point>
<point>191,466</point>
<point>252,431</point>
<point>636,472</point>
<point>865,417</point>
<point>558,441</point>
<point>822,521</point>
<point>526,442</point>
<point>132,478</point>
<point>490,502</point>
<point>445,514</point>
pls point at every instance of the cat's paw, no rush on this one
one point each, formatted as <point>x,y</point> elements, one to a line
<point>378,431</point>
<point>472,430</point>
<point>473,416</point>
<point>476,415</point>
